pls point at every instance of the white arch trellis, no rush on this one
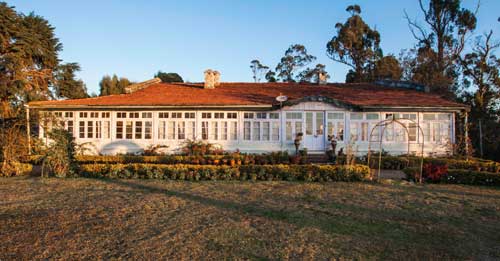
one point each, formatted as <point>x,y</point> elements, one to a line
<point>384,124</point>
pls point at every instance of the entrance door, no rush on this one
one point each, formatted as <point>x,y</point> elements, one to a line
<point>314,137</point>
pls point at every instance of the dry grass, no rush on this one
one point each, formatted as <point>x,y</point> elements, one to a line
<point>85,218</point>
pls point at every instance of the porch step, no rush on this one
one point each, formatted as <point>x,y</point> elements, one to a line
<point>317,158</point>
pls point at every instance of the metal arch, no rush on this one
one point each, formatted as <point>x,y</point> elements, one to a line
<point>387,122</point>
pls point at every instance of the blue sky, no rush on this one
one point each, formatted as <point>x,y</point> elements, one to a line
<point>135,39</point>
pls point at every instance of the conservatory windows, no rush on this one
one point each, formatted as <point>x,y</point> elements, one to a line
<point>257,126</point>
<point>293,124</point>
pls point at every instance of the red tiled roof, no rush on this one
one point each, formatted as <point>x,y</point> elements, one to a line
<point>227,94</point>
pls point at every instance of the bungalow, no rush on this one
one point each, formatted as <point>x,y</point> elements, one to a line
<point>259,117</point>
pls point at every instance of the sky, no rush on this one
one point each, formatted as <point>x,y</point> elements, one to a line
<point>135,39</point>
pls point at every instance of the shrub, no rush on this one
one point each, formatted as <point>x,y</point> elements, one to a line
<point>59,159</point>
<point>469,177</point>
<point>17,169</point>
<point>224,172</point>
<point>433,172</point>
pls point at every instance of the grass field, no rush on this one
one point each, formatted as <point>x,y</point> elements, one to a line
<point>86,218</point>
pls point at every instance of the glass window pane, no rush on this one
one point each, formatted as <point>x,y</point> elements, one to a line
<point>128,130</point>
<point>234,130</point>
<point>256,131</point>
<point>309,123</point>
<point>288,130</point>
<point>119,129</point>
<point>372,116</point>
<point>276,131</point>
<point>204,130</point>
<point>138,130</point>
<point>319,123</point>
<point>246,130</point>
<point>181,130</point>
<point>265,131</point>
<point>171,130</point>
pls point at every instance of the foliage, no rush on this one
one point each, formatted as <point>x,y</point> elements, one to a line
<point>295,58</point>
<point>197,148</point>
<point>66,84</point>
<point>470,177</point>
<point>312,74</point>
<point>113,85</point>
<point>29,58</point>
<point>311,173</point>
<point>441,40</point>
<point>168,77</point>
<point>59,159</point>
<point>13,145</point>
<point>434,172</point>
<point>358,46</point>
<point>271,76</point>
<point>258,70</point>
<point>480,71</point>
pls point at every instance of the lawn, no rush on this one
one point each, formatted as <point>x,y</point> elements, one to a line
<point>147,219</point>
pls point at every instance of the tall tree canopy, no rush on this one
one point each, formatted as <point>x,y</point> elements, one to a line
<point>168,77</point>
<point>66,85</point>
<point>258,70</point>
<point>29,58</point>
<point>355,45</point>
<point>113,85</point>
<point>296,57</point>
<point>481,90</point>
<point>441,40</point>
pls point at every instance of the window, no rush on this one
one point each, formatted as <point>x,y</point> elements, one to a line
<point>81,129</point>
<point>261,115</point>
<point>224,131</point>
<point>128,130</point>
<point>293,124</point>
<point>437,127</point>
<point>248,115</point>
<point>309,123</point>
<point>234,130</point>
<point>119,129</point>
<point>375,132</point>
<point>214,130</point>
<point>206,115</point>
<point>256,131</point>
<point>163,115</point>
<point>138,130</point>
<point>429,117</point>
<point>181,130</point>
<point>372,116</point>
<point>171,130</point>
<point>189,115</point>
<point>274,115</point>
<point>147,115</point>
<point>70,127</point>
<point>266,130</point>
<point>191,130</point>
<point>320,123</point>
<point>354,131</point>
<point>219,115</point>
<point>98,129</point>
<point>90,129</point>
<point>335,115</point>
<point>335,125</point>
<point>121,115</point>
<point>232,115</point>
<point>246,130</point>
<point>105,115</point>
<point>83,115</point>
<point>204,130</point>
<point>176,115</point>
<point>133,115</point>
<point>364,131</point>
<point>94,115</point>
<point>68,114</point>
<point>162,127</point>
<point>105,129</point>
<point>412,132</point>
<point>276,131</point>
<point>356,116</point>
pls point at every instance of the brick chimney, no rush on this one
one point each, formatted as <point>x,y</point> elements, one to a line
<point>212,79</point>
<point>322,78</point>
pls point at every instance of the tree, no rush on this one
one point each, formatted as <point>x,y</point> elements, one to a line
<point>355,45</point>
<point>312,74</point>
<point>387,67</point>
<point>271,76</point>
<point>29,57</point>
<point>441,41</point>
<point>66,86</point>
<point>113,85</point>
<point>481,71</point>
<point>258,70</point>
<point>295,58</point>
<point>169,77</point>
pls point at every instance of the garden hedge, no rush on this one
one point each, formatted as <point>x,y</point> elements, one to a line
<point>469,177</point>
<point>243,172</point>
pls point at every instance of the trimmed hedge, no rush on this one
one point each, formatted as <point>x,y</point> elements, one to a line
<point>468,177</point>
<point>207,172</point>
<point>229,159</point>
<point>17,169</point>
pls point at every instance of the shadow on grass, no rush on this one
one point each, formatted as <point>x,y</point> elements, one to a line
<point>383,225</point>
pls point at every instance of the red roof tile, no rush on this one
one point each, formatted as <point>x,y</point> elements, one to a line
<point>226,94</point>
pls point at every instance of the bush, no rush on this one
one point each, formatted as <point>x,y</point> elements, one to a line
<point>59,159</point>
<point>469,177</point>
<point>206,172</point>
<point>17,169</point>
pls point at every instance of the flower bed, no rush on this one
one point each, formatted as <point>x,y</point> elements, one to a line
<point>207,172</point>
